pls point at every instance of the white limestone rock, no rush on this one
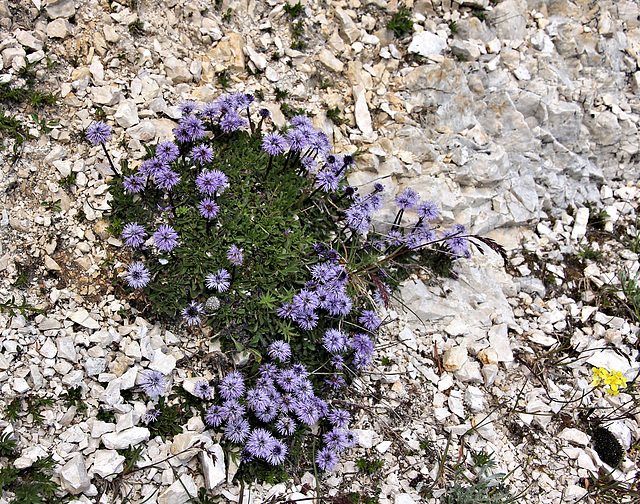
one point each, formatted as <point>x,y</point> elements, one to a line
<point>73,476</point>
<point>123,439</point>
<point>107,464</point>
<point>454,358</point>
<point>426,43</point>
<point>213,466</point>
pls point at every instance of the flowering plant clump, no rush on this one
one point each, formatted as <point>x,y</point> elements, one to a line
<point>612,379</point>
<point>255,232</point>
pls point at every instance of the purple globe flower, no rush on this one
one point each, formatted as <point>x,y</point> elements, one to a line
<point>201,154</point>
<point>286,425</point>
<point>187,107</point>
<point>203,390</point>
<point>193,313</point>
<point>165,238</point>
<point>214,417</point>
<point>296,140</point>
<point>133,234</point>
<point>260,443</point>
<point>336,440</point>
<point>133,184</point>
<point>278,453</point>
<point>300,120</point>
<point>137,275</point>
<point>264,113</point>
<point>218,280</point>
<point>339,418</point>
<point>167,179</point>
<point>327,181</point>
<point>237,431</point>
<point>326,459</point>
<point>153,383</point>
<point>153,167</point>
<point>210,182</point>
<point>232,121</point>
<point>280,350</point>
<point>208,208</point>
<point>427,210</point>
<point>407,199</point>
<point>234,255</point>
<point>370,320</point>
<point>334,341</point>
<point>274,144</point>
<point>232,386</point>
<point>98,133</point>
<point>167,151</point>
<point>456,241</point>
<point>151,415</point>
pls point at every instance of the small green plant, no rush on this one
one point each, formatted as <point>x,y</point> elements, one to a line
<point>481,14</point>
<point>293,10</point>
<point>597,216</point>
<point>136,27</point>
<point>227,15</point>
<point>168,420</point>
<point>484,489</point>
<point>224,79</point>
<point>334,115</point>
<point>297,32</point>
<point>7,445</point>
<point>588,252</point>
<point>325,83</point>
<point>33,485</point>
<point>52,206</point>
<point>631,289</point>
<point>386,361</point>
<point>368,466</point>
<point>401,23</point>
<point>453,27</point>
<point>68,180</point>
<point>73,397</point>
<point>104,415</point>
<point>24,274</point>
<point>24,308</point>
<point>281,94</point>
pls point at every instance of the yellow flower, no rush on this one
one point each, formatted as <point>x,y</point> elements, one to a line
<point>616,381</point>
<point>599,374</point>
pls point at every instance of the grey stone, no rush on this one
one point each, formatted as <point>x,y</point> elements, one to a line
<point>105,95</point>
<point>67,349</point>
<point>93,366</point>
<point>509,19</point>
<point>348,29</point>
<point>564,122</point>
<point>73,476</point>
<point>83,318</point>
<point>259,60</point>
<point>468,51</point>
<point>61,9</point>
<point>27,39</point>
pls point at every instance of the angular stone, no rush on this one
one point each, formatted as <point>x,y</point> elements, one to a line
<point>426,43</point>
<point>73,476</point>
<point>580,224</point>
<point>177,70</point>
<point>123,439</point>
<point>468,51</point>
<point>165,363</point>
<point>256,58</point>
<point>499,341</point>
<point>48,350</point>
<point>326,57</point>
<point>107,464</point>
<point>509,19</point>
<point>95,365</point>
<point>105,95</point>
<point>127,114</point>
<point>363,118</point>
<point>67,349</point>
<point>454,358</point>
<point>82,317</point>
<point>61,9</point>
<point>180,492</point>
<point>213,466</point>
<point>574,436</point>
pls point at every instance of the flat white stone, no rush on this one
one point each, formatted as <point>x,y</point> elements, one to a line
<point>499,341</point>
<point>574,436</point>
<point>426,43</point>
<point>83,318</point>
<point>124,439</point>
<point>180,492</point>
